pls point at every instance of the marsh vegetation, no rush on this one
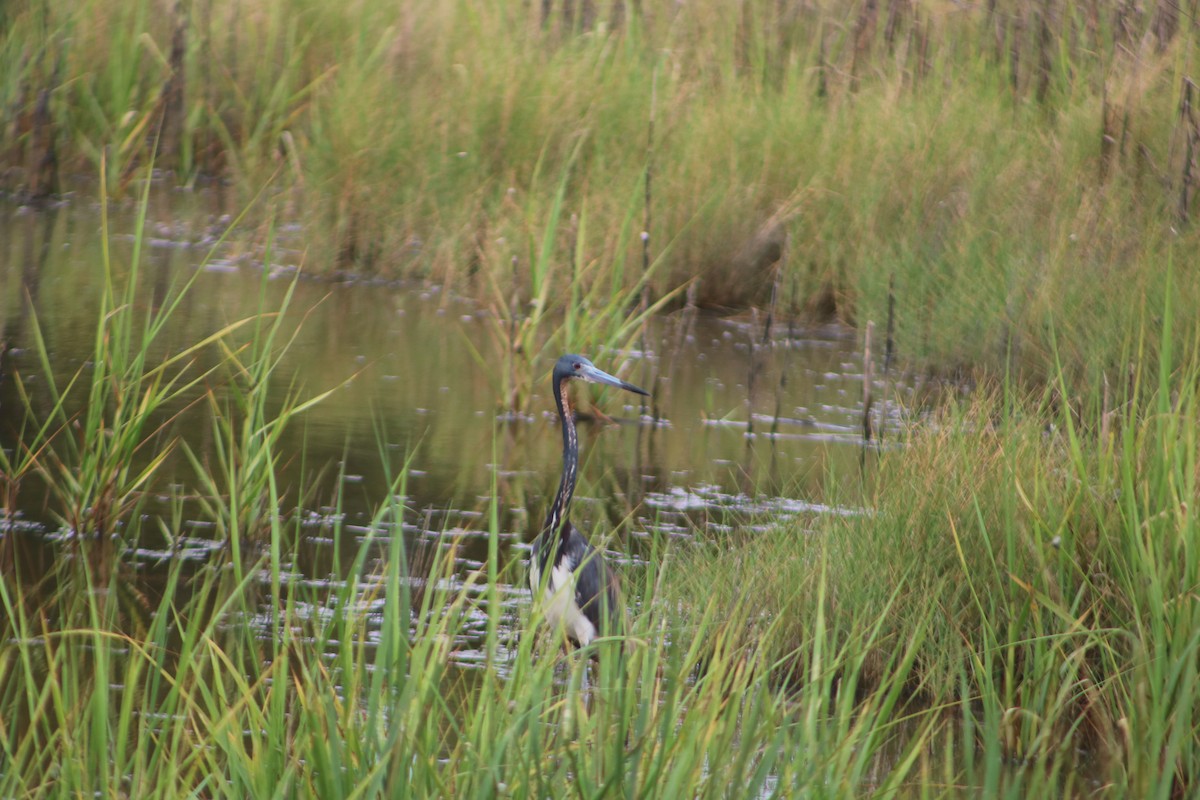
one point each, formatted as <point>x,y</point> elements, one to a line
<point>229,568</point>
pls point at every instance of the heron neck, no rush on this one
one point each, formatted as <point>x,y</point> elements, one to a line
<point>557,518</point>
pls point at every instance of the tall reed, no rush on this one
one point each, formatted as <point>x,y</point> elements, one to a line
<point>235,678</point>
<point>1003,161</point>
<point>1032,550</point>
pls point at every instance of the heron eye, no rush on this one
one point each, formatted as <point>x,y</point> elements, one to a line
<point>578,365</point>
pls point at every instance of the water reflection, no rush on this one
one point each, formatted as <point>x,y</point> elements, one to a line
<point>743,430</point>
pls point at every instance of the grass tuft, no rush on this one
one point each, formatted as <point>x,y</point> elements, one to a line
<point>1005,163</point>
<point>1027,557</point>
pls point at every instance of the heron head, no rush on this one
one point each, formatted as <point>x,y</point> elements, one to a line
<point>578,367</point>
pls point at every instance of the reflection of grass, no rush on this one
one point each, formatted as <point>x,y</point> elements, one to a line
<point>238,488</point>
<point>98,440</point>
<point>574,307</point>
<point>1034,582</point>
<point>234,680</point>
<point>1034,558</point>
<point>1025,586</point>
<point>1005,164</point>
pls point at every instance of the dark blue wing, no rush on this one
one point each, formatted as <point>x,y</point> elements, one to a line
<point>596,589</point>
<point>595,584</point>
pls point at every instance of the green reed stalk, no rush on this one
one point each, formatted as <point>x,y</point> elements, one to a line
<point>418,145</point>
<point>106,433</point>
<point>1030,554</point>
<point>690,710</point>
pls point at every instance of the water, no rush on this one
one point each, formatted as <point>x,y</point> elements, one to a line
<point>741,435</point>
<point>727,449</point>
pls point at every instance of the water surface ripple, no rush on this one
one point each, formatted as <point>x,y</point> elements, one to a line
<point>747,433</point>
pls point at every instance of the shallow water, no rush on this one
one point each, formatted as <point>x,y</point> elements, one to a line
<point>719,448</point>
<point>743,431</point>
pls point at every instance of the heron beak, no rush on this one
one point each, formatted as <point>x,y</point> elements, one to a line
<point>595,375</point>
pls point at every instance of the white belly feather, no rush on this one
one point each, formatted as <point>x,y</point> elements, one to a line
<point>558,603</point>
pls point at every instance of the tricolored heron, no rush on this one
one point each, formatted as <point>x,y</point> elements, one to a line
<point>579,592</point>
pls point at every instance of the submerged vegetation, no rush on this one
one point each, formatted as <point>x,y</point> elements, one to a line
<point>1014,608</point>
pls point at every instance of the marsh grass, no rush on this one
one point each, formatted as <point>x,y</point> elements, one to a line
<point>222,674</point>
<point>238,681</point>
<point>97,439</point>
<point>1003,161</point>
<point>226,676</point>
<point>1032,551</point>
<point>598,313</point>
<point>238,481</point>
<point>1021,589</point>
<point>361,700</point>
<point>348,690</point>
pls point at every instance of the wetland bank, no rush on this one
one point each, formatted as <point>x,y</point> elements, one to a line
<point>263,526</point>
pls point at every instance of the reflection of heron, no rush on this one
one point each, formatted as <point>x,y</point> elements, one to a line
<point>578,590</point>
